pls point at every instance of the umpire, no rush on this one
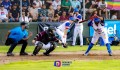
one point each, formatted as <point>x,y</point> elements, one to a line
<point>18,35</point>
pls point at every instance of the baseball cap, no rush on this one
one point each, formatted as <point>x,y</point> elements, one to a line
<point>96,20</point>
<point>71,18</point>
<point>15,4</point>
<point>23,23</point>
<point>76,10</point>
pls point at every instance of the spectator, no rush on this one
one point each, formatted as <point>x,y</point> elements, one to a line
<point>24,18</point>
<point>43,14</point>
<point>95,4</point>
<point>66,5</point>
<point>34,12</point>
<point>102,5</point>
<point>56,3</point>
<point>63,17</point>
<point>88,6</point>
<point>15,2</point>
<point>38,4</point>
<point>26,2</point>
<point>48,3</point>
<point>94,13</point>
<point>58,13</point>
<point>81,3</point>
<point>114,16</point>
<point>14,14</point>
<point>31,2</point>
<point>7,4</point>
<point>1,2</point>
<point>75,4</point>
<point>3,14</point>
<point>24,9</point>
<point>50,13</point>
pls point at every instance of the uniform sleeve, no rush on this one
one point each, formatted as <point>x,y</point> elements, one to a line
<point>37,36</point>
<point>67,25</point>
<point>90,23</point>
<point>14,30</point>
<point>79,17</point>
<point>26,34</point>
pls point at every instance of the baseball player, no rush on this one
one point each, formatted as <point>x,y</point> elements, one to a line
<point>63,29</point>
<point>78,28</point>
<point>99,31</point>
<point>45,40</point>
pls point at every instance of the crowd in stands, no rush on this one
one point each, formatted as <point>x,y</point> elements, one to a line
<point>49,10</point>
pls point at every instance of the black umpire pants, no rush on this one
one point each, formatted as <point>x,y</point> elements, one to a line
<point>13,44</point>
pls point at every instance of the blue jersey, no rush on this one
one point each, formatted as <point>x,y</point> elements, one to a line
<point>6,4</point>
<point>65,25</point>
<point>79,17</point>
<point>17,34</point>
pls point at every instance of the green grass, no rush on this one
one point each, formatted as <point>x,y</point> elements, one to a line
<point>49,64</point>
<point>4,49</point>
<point>75,65</point>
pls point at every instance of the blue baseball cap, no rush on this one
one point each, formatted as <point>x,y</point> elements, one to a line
<point>96,20</point>
<point>71,18</point>
<point>76,10</point>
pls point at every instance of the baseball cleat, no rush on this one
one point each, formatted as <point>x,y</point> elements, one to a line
<point>86,54</point>
<point>10,54</point>
<point>64,45</point>
<point>110,54</point>
<point>33,54</point>
<point>46,54</point>
<point>23,53</point>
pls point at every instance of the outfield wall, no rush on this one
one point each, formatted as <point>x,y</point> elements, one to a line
<point>4,27</point>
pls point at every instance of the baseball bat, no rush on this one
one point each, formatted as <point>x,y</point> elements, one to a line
<point>91,18</point>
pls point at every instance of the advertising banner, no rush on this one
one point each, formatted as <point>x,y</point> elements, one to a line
<point>112,27</point>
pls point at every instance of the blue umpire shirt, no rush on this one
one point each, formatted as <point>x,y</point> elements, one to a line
<point>18,34</point>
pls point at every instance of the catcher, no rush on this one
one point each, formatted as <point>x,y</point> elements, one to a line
<point>45,40</point>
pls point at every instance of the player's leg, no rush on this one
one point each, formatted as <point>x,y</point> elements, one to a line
<point>52,45</point>
<point>105,39</point>
<point>75,36</point>
<point>38,46</point>
<point>81,35</point>
<point>94,40</point>
<point>24,45</point>
<point>61,34</point>
<point>13,44</point>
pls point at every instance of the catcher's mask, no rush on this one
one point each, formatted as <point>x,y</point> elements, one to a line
<point>51,31</point>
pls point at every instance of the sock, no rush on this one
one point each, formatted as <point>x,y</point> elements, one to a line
<point>108,48</point>
<point>89,48</point>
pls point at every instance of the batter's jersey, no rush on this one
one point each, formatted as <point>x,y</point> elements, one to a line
<point>65,25</point>
<point>79,17</point>
<point>98,29</point>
